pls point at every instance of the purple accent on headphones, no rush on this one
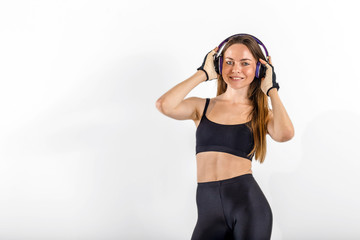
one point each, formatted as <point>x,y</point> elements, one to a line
<point>258,64</point>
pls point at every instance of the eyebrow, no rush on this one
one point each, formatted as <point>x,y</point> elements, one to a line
<point>240,59</point>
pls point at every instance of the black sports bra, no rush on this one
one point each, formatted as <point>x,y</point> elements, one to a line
<point>236,139</point>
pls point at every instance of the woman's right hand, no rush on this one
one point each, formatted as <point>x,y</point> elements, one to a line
<point>208,65</point>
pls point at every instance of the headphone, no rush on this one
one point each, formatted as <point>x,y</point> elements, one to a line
<point>218,58</point>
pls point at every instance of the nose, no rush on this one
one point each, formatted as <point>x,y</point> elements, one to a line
<point>236,67</point>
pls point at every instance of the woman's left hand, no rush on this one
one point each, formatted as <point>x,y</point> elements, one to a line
<point>269,81</point>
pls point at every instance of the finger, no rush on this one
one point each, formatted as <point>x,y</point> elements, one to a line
<point>264,62</point>
<point>270,61</point>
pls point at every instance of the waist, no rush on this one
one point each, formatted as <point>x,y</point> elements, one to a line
<point>227,180</point>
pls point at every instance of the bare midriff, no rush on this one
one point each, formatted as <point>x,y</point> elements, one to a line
<point>214,166</point>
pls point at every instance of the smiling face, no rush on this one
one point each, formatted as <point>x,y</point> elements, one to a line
<point>239,65</point>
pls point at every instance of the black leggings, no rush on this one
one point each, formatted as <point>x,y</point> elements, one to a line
<point>233,208</point>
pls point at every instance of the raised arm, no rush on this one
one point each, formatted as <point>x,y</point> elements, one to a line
<point>173,104</point>
<point>279,127</point>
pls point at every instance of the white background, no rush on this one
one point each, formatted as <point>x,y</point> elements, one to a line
<point>85,154</point>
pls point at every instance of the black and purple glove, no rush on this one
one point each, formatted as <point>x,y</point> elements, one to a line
<point>208,65</point>
<point>269,81</point>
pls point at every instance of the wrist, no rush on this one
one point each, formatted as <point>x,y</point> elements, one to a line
<point>272,91</point>
<point>202,75</point>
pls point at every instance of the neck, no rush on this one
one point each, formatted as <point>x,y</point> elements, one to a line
<point>236,96</point>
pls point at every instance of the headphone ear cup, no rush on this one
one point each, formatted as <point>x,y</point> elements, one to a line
<point>216,65</point>
<point>220,65</point>
<point>262,71</point>
<point>258,68</point>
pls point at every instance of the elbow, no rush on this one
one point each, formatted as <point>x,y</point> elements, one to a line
<point>158,105</point>
<point>288,135</point>
<point>161,106</point>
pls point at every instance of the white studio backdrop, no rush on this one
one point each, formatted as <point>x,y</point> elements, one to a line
<point>85,154</point>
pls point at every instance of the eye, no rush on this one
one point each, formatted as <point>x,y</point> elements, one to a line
<point>246,64</point>
<point>228,63</point>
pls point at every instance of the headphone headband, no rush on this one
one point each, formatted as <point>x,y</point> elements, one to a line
<point>223,43</point>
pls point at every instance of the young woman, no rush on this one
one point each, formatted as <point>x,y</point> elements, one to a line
<point>231,129</point>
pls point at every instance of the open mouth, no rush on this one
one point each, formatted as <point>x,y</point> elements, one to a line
<point>237,78</point>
